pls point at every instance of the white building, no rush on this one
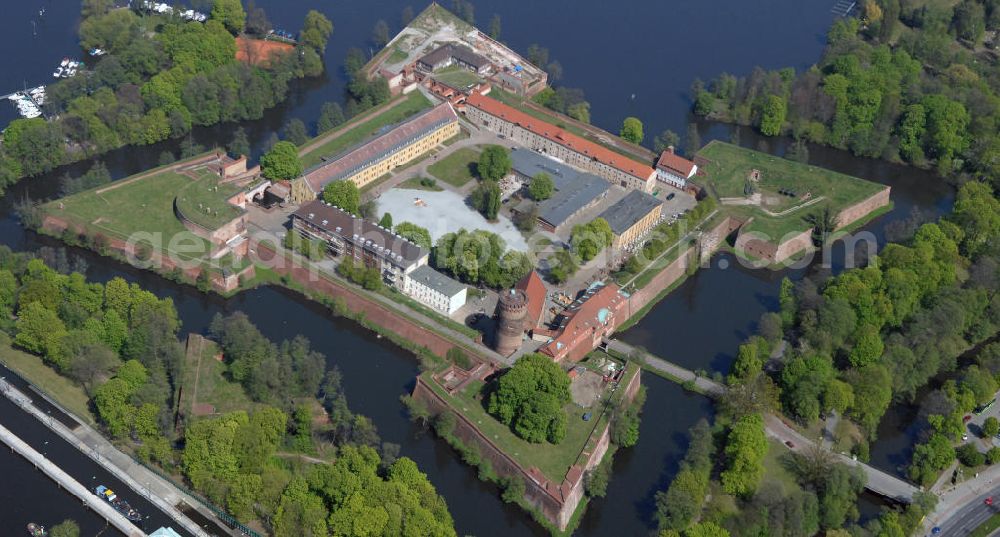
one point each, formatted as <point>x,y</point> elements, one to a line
<point>674,169</point>
<point>434,290</point>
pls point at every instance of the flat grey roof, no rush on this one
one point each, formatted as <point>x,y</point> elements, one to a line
<point>436,281</point>
<point>574,189</point>
<point>629,210</point>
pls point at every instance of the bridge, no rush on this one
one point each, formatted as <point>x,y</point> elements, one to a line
<point>69,484</point>
<point>157,490</point>
<point>877,481</point>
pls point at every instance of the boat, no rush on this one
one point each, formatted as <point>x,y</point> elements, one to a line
<point>37,530</point>
<point>98,52</point>
<point>58,73</point>
<point>119,504</point>
<point>64,63</point>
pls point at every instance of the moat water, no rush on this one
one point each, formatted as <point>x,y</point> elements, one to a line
<point>650,49</point>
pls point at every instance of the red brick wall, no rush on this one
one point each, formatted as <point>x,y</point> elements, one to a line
<point>861,209</point>
<point>356,302</point>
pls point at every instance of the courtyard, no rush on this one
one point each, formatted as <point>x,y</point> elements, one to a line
<point>445,212</point>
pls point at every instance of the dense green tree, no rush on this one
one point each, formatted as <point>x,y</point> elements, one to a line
<point>631,130</point>
<point>872,394</point>
<point>706,529</point>
<point>113,399</point>
<point>588,240</point>
<point>494,163</point>
<point>415,234</point>
<point>977,211</point>
<point>90,363</point>
<point>230,13</point>
<point>386,221</point>
<point>969,455</point>
<point>773,113</point>
<point>281,162</point>
<point>330,117</point>
<point>530,397</point>
<point>40,330</point>
<point>991,427</point>
<point>665,139</point>
<point>929,458</point>
<point>745,449</point>
<point>680,504</point>
<point>316,31</point>
<point>295,131</point>
<point>541,187</point>
<point>969,21</point>
<point>804,381</point>
<point>66,528</point>
<point>486,198</point>
<point>111,31</point>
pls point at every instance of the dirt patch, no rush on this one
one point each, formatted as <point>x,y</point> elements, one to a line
<point>259,51</point>
<point>587,388</point>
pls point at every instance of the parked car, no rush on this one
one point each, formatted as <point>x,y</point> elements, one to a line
<point>789,444</point>
<point>670,196</point>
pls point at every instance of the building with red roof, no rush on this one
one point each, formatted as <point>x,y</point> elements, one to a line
<point>534,289</point>
<point>559,143</point>
<point>674,169</point>
<point>586,322</point>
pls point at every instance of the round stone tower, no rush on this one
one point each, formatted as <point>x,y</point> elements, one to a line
<point>511,312</point>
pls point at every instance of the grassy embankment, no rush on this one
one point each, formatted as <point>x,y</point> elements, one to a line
<point>62,390</point>
<point>726,177</point>
<point>355,132</point>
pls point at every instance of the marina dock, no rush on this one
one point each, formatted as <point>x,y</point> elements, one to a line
<point>71,485</point>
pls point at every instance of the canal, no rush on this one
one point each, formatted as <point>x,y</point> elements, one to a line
<point>635,58</point>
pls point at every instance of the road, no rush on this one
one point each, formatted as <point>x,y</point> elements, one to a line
<point>877,481</point>
<point>961,508</point>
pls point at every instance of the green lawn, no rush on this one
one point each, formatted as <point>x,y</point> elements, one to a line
<point>396,56</point>
<point>729,166</point>
<point>457,168</point>
<point>414,103</point>
<point>775,468</point>
<point>206,383</point>
<point>457,77</point>
<point>61,389</point>
<point>204,201</point>
<point>145,205</point>
<point>552,459</point>
<point>413,183</point>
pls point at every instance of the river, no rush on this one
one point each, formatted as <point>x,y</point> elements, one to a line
<point>652,49</point>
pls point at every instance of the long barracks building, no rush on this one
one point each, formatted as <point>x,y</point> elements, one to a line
<point>554,141</point>
<point>379,156</point>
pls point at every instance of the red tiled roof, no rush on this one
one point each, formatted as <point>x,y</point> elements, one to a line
<point>584,320</point>
<point>535,290</point>
<point>674,163</point>
<point>560,136</point>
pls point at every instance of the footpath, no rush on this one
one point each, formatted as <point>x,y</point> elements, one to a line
<point>876,481</point>
<point>140,479</point>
